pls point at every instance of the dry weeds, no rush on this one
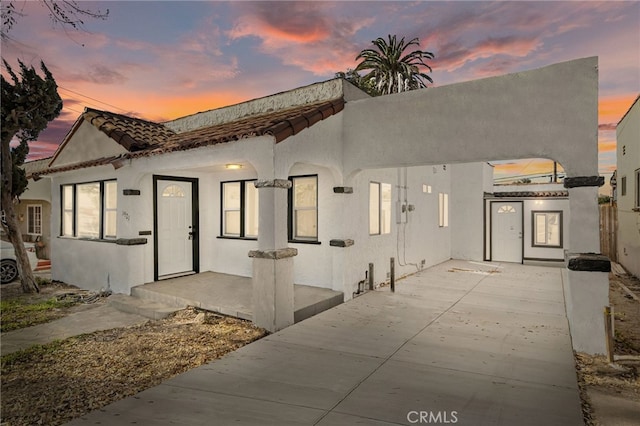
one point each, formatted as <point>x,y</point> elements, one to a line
<point>54,383</point>
<point>622,377</point>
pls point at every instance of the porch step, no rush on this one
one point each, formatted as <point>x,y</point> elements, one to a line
<point>178,302</point>
<point>310,308</point>
<point>145,308</point>
<point>181,302</point>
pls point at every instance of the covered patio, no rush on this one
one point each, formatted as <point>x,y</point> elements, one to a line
<point>230,295</point>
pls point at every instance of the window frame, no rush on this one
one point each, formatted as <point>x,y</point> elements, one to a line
<point>534,225</point>
<point>443,209</point>
<point>623,186</point>
<point>291,223</point>
<point>242,209</point>
<point>382,229</point>
<point>74,210</point>
<point>105,209</point>
<point>637,189</point>
<point>39,225</point>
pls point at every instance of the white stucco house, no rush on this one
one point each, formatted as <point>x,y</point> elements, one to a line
<point>628,188</point>
<point>311,185</point>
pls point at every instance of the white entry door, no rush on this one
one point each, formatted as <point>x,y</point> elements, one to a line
<point>175,230</point>
<point>506,231</point>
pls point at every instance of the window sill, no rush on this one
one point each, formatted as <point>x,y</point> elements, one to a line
<point>97,240</point>
<point>225,237</point>
<point>317,243</point>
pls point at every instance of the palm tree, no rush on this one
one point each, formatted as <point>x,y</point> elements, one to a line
<point>390,71</point>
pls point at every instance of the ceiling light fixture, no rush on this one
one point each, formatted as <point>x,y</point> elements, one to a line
<point>233,166</point>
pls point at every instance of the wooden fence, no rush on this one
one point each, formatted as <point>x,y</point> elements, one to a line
<point>608,228</point>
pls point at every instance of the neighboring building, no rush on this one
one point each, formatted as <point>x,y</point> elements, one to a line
<point>34,209</point>
<point>628,188</point>
<point>527,223</point>
<point>311,185</point>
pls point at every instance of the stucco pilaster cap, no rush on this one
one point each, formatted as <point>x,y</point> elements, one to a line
<point>341,243</point>
<point>273,183</point>
<point>582,181</point>
<point>274,254</point>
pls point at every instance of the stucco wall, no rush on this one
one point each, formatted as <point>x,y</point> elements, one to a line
<point>418,238</point>
<point>628,155</point>
<point>469,182</point>
<point>482,120</point>
<point>87,144</point>
<point>38,190</point>
<point>89,264</point>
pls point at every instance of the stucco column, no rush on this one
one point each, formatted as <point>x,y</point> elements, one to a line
<point>584,220</point>
<point>273,261</point>
<point>586,279</point>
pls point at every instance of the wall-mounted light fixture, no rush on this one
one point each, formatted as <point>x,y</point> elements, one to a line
<point>233,166</point>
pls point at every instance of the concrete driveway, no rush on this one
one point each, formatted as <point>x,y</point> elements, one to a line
<point>460,343</point>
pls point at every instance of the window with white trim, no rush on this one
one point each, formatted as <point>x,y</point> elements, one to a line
<point>303,215</point>
<point>34,219</point>
<point>379,208</point>
<point>110,209</point>
<point>443,210</point>
<point>547,228</point>
<point>637,189</point>
<point>89,210</point>
<point>239,216</point>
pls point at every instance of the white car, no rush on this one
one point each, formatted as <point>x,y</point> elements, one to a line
<point>8,266</point>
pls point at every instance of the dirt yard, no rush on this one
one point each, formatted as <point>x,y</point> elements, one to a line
<point>54,383</point>
<point>621,379</point>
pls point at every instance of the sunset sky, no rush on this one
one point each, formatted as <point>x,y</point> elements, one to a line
<point>159,60</point>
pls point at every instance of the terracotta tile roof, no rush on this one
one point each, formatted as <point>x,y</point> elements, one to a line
<point>35,166</point>
<point>143,138</point>
<point>531,194</point>
<point>133,134</point>
<point>280,125</point>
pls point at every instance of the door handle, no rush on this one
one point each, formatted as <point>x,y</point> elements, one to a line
<point>192,233</point>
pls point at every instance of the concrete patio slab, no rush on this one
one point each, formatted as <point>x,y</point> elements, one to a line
<point>230,295</point>
<point>446,343</point>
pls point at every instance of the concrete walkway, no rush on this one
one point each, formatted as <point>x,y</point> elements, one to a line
<point>86,319</point>
<point>463,343</point>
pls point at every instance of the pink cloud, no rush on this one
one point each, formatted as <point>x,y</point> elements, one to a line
<point>313,36</point>
<point>607,126</point>
<point>454,55</point>
<point>279,23</point>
